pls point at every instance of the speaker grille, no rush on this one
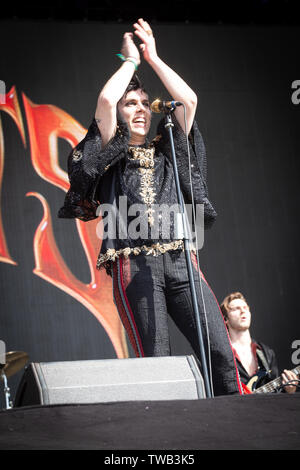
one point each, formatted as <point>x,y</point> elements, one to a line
<point>110,380</point>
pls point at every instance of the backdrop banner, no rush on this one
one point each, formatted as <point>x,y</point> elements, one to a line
<point>55,305</point>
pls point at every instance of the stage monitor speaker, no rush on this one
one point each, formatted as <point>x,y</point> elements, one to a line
<point>110,380</point>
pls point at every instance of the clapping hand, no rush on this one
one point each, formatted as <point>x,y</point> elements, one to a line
<point>144,32</point>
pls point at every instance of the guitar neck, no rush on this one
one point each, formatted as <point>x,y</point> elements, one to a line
<point>274,384</point>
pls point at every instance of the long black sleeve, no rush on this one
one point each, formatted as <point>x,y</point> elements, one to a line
<point>87,163</point>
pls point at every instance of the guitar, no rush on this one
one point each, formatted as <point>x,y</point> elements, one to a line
<point>267,388</point>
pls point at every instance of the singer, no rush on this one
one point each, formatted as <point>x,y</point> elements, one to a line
<point>149,274</point>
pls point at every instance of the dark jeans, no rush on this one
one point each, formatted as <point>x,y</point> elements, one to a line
<point>147,289</point>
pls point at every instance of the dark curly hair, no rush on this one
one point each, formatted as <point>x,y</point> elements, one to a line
<point>134,84</point>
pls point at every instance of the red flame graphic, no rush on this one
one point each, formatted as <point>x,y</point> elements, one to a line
<point>47,123</point>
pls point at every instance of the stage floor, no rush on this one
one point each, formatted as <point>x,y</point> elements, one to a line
<point>263,422</point>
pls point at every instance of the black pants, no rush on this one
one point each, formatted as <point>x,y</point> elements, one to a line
<point>147,289</point>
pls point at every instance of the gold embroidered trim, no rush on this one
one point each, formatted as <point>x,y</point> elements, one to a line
<point>146,160</point>
<point>146,156</point>
<point>154,250</point>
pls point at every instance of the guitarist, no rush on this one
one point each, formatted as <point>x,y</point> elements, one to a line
<point>253,359</point>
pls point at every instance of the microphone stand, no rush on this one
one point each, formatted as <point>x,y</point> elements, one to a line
<point>169,125</point>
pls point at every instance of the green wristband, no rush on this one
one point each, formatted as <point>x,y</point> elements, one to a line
<point>129,59</point>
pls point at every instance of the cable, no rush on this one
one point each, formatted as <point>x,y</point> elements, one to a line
<point>288,384</point>
<point>197,254</point>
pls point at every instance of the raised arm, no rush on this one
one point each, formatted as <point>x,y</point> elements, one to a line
<point>113,90</point>
<point>178,89</point>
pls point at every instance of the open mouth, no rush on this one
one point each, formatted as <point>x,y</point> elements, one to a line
<point>140,122</point>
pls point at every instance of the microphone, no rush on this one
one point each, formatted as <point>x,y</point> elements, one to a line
<point>159,106</point>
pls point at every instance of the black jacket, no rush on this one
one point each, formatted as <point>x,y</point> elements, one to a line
<point>268,368</point>
<point>92,172</point>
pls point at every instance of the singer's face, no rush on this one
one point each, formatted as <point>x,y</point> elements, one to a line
<point>135,110</point>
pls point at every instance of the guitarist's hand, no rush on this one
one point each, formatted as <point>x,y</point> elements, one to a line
<point>289,376</point>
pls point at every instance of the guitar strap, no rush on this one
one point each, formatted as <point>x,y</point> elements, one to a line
<point>263,360</point>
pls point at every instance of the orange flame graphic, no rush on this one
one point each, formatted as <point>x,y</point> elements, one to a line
<point>10,106</point>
